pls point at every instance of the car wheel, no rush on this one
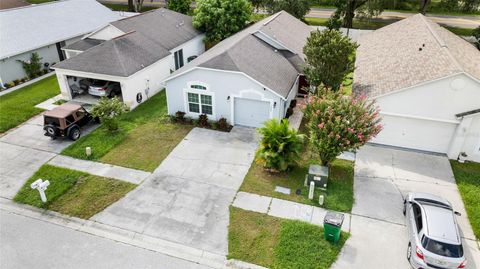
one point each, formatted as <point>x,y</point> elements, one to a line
<point>50,130</point>
<point>405,207</point>
<point>409,251</point>
<point>74,133</point>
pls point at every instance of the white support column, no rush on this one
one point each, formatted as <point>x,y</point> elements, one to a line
<point>456,146</point>
<point>63,84</point>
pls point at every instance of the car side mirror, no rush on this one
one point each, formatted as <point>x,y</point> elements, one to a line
<point>457,213</point>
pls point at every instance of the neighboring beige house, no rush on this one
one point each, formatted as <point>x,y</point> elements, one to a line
<point>426,81</point>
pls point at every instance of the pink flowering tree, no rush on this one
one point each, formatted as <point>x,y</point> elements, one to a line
<point>338,123</point>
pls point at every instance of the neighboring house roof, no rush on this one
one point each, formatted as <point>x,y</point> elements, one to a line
<point>167,28</point>
<point>121,56</point>
<point>410,52</point>
<point>83,44</point>
<point>467,113</point>
<point>148,38</point>
<point>247,52</point>
<point>31,27</point>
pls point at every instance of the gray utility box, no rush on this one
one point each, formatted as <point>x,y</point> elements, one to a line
<point>317,174</point>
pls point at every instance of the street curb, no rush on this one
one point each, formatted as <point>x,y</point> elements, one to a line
<point>237,264</point>
<point>169,248</point>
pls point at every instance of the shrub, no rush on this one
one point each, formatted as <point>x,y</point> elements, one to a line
<point>8,85</point>
<point>33,66</point>
<point>45,71</point>
<point>25,79</point>
<point>180,116</point>
<point>182,6</point>
<point>280,146</point>
<point>108,110</point>
<point>223,125</point>
<point>203,120</point>
<point>338,123</point>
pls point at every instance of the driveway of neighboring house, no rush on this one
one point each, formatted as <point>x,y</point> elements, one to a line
<point>187,198</point>
<point>23,150</point>
<point>383,176</point>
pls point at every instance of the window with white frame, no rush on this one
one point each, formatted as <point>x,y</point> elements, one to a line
<point>200,103</point>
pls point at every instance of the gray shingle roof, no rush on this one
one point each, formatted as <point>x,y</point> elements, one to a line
<point>410,52</point>
<point>167,28</point>
<point>84,44</point>
<point>122,56</point>
<point>150,37</point>
<point>31,27</point>
<point>244,52</point>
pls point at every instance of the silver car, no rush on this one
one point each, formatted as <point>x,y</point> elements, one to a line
<point>104,88</point>
<point>434,238</point>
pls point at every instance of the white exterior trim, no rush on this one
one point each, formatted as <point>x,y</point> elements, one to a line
<point>240,96</point>
<point>418,118</point>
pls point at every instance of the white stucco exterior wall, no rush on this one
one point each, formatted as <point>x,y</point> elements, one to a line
<point>11,69</point>
<point>222,84</point>
<point>106,33</point>
<point>193,47</point>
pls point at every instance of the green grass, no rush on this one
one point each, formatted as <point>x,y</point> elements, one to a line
<point>339,193</point>
<point>73,192</point>
<point>467,176</point>
<point>277,243</point>
<point>18,106</point>
<point>38,1</point>
<point>145,125</point>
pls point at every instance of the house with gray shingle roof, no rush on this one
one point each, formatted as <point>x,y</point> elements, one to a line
<point>45,29</point>
<point>134,55</point>
<point>247,78</point>
<point>426,81</point>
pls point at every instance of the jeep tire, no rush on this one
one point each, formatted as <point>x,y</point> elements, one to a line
<point>74,133</point>
<point>50,130</point>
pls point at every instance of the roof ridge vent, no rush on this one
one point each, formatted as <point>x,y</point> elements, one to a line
<point>272,18</point>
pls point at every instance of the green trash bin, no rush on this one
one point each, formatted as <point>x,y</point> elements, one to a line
<point>332,226</point>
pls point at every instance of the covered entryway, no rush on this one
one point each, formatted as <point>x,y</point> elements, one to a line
<point>250,112</point>
<point>414,133</point>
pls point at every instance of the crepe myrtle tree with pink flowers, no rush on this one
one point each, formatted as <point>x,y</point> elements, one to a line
<point>338,123</point>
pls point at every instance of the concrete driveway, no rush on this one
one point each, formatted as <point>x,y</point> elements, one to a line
<point>23,150</point>
<point>383,176</point>
<point>187,198</point>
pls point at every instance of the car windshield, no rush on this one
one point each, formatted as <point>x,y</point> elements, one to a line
<point>442,249</point>
<point>99,83</point>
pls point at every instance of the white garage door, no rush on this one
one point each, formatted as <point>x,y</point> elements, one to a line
<point>252,113</point>
<point>418,134</point>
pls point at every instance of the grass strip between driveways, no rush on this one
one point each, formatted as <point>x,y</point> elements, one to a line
<point>19,106</point>
<point>145,138</point>
<point>467,176</point>
<point>73,192</point>
<point>278,243</point>
<point>339,193</point>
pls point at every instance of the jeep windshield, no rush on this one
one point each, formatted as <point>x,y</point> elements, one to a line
<point>51,121</point>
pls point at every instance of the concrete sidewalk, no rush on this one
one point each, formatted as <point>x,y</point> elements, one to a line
<point>100,169</point>
<point>285,209</point>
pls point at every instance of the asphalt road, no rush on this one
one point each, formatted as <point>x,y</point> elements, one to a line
<point>455,21</point>
<point>31,243</point>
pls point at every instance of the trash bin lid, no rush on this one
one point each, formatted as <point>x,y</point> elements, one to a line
<point>334,218</point>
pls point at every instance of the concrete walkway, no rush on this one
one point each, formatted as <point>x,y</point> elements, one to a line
<point>100,169</point>
<point>49,104</point>
<point>285,209</point>
<point>296,118</point>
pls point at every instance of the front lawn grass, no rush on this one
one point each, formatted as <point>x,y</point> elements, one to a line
<point>278,243</point>
<point>73,192</point>
<point>467,176</point>
<point>18,106</point>
<point>145,138</point>
<point>339,193</point>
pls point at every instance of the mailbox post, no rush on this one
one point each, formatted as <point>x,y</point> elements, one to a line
<point>41,186</point>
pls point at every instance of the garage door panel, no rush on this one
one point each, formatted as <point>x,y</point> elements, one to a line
<point>249,112</point>
<point>418,134</point>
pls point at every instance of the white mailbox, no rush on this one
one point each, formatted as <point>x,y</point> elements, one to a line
<point>41,186</point>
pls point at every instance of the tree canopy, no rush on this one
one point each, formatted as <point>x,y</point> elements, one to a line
<point>220,19</point>
<point>330,57</point>
<point>367,8</point>
<point>298,8</point>
<point>182,6</point>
